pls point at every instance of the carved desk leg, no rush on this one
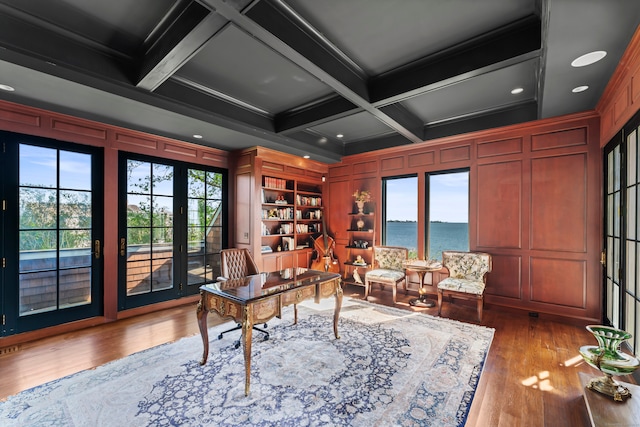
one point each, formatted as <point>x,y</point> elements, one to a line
<point>201,315</point>
<point>247,332</point>
<point>336,312</point>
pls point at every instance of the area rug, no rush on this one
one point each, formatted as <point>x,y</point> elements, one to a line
<point>390,367</point>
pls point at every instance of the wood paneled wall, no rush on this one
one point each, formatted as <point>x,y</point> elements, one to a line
<point>535,205</point>
<point>621,98</point>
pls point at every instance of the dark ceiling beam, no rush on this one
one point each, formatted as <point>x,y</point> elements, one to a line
<point>514,43</point>
<point>321,112</point>
<point>271,26</point>
<point>54,49</point>
<point>188,95</point>
<point>184,36</point>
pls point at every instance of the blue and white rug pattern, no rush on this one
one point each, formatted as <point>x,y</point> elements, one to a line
<point>390,367</point>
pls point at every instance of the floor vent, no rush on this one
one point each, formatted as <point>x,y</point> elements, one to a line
<point>9,350</point>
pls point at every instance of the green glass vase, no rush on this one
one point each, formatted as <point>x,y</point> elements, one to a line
<point>608,359</point>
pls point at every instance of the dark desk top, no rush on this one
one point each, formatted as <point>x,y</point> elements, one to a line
<point>260,285</point>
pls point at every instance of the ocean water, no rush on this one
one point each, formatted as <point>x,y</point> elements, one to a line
<point>443,236</point>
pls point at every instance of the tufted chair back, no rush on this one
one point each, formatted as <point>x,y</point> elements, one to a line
<point>236,263</point>
<point>467,265</point>
<point>390,257</point>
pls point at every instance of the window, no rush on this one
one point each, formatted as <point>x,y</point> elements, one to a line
<point>448,212</point>
<point>400,216</point>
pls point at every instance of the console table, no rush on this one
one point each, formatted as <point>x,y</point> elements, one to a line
<point>258,298</point>
<point>604,411</point>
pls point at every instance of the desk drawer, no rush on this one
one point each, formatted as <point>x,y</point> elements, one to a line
<point>298,295</point>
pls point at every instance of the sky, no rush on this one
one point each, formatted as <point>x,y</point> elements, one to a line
<point>449,198</point>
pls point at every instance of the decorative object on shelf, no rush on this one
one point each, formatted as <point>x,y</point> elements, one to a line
<point>608,359</point>
<point>360,224</point>
<point>361,197</point>
<point>359,261</point>
<point>356,276</point>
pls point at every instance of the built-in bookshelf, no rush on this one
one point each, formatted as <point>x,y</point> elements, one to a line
<point>291,214</point>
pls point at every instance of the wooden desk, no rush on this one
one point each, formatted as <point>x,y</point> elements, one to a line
<point>258,298</point>
<point>604,411</point>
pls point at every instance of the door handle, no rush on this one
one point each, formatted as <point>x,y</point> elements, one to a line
<point>123,246</point>
<point>96,249</point>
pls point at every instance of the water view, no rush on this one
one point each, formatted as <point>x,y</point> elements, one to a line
<point>443,236</point>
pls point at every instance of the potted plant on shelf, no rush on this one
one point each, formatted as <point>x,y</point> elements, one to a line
<point>361,198</point>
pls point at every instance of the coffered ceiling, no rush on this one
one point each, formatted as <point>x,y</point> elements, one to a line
<point>323,78</point>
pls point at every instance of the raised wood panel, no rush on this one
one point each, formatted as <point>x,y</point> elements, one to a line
<point>559,203</point>
<point>294,171</point>
<point>561,282</point>
<point>499,215</point>
<point>620,106</point>
<point>365,167</point>
<point>564,138</point>
<point>340,171</point>
<point>392,163</point>
<point>128,139</point>
<point>635,87</point>
<point>314,175</point>
<point>214,157</point>
<point>455,154</point>
<point>272,167</point>
<point>20,117</point>
<point>422,159</point>
<point>78,129</point>
<point>244,161</point>
<point>182,151</point>
<point>499,148</point>
<point>242,213</point>
<point>505,279</point>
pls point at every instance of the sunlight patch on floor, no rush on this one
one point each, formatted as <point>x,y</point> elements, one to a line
<point>540,381</point>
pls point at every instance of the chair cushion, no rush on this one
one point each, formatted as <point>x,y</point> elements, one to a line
<point>384,275</point>
<point>475,287</point>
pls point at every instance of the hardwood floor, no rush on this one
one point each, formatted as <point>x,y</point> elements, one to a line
<point>530,377</point>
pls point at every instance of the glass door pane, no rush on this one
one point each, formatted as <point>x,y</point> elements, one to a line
<point>204,226</point>
<point>149,223</point>
<point>612,229</point>
<point>55,229</point>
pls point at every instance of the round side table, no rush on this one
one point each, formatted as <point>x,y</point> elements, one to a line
<point>422,267</point>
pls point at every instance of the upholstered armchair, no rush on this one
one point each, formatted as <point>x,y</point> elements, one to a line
<point>237,263</point>
<point>467,277</point>
<point>388,269</point>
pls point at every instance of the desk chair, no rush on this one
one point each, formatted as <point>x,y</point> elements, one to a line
<point>235,264</point>
<point>467,277</point>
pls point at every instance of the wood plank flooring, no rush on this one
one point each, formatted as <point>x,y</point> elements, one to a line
<point>530,377</point>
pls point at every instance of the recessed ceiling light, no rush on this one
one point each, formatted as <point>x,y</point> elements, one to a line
<point>197,136</point>
<point>588,58</point>
<point>307,156</point>
<point>579,89</point>
<point>339,135</point>
<point>517,91</point>
<point>7,88</point>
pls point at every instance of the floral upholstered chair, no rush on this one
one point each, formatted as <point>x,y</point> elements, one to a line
<point>467,277</point>
<point>388,269</point>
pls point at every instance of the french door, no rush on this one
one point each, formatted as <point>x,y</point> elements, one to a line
<point>51,232</point>
<point>622,231</point>
<point>172,228</point>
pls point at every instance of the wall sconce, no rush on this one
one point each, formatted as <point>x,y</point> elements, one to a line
<point>323,178</point>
